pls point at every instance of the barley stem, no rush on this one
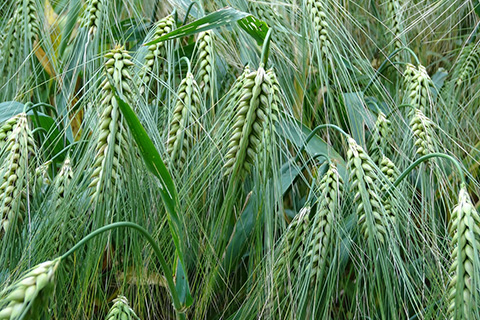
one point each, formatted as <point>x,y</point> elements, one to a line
<point>166,269</point>
<point>266,48</point>
<point>188,11</point>
<point>425,158</point>
<point>389,60</point>
<point>314,132</point>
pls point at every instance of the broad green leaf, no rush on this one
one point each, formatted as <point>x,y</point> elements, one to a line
<point>357,116</point>
<point>253,26</point>
<point>256,28</point>
<point>438,80</point>
<point>9,109</point>
<point>292,132</point>
<point>72,18</point>
<point>213,20</point>
<point>476,7</point>
<point>168,192</point>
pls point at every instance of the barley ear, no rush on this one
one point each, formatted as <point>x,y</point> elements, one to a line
<point>156,52</point>
<point>395,24</point>
<point>419,85</point>
<point>205,62</point>
<point>463,288</point>
<point>364,182</point>
<point>253,122</point>
<point>291,248</point>
<point>381,135</point>
<point>330,189</point>
<point>421,127</point>
<point>318,18</point>
<point>391,172</point>
<point>184,124</point>
<point>469,66</point>
<point>14,171</point>
<point>112,134</point>
<point>93,14</point>
<point>121,310</point>
<point>30,293</point>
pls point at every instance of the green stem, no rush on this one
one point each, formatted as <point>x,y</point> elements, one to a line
<point>314,132</point>
<point>166,269</point>
<point>189,67</point>
<point>426,157</point>
<point>266,48</point>
<point>45,105</point>
<point>389,60</point>
<point>188,11</point>
<point>399,107</point>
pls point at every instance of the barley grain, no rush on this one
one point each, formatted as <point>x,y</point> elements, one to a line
<point>184,126</point>
<point>30,293</point>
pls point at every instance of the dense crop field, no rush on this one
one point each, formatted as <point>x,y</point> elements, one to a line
<point>276,159</point>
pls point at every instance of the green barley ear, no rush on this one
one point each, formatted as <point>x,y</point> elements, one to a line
<point>318,18</point>
<point>395,24</point>
<point>112,135</point>
<point>253,123</point>
<point>265,11</point>
<point>6,129</point>
<point>61,185</point>
<point>379,142</point>
<point>391,172</point>
<point>156,52</point>
<point>292,247</point>
<point>422,128</point>
<point>63,179</point>
<point>464,285</point>
<point>27,296</point>
<point>330,189</point>
<point>121,310</point>
<point>470,63</point>
<point>18,147</point>
<point>235,93</point>
<point>364,181</point>
<point>22,29</point>
<point>92,16</point>
<point>184,128</point>
<point>28,18</point>
<point>42,179</point>
<point>419,88</point>
<point>205,62</point>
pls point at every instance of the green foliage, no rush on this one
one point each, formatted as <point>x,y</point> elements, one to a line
<point>278,159</point>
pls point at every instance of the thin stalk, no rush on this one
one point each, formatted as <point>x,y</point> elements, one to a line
<point>166,269</point>
<point>314,132</point>
<point>188,11</point>
<point>388,60</point>
<point>189,67</point>
<point>423,159</point>
<point>266,48</point>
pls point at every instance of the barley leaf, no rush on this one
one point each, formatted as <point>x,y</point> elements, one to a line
<point>477,7</point>
<point>253,26</point>
<point>315,146</point>
<point>168,192</point>
<point>357,115</point>
<point>256,28</point>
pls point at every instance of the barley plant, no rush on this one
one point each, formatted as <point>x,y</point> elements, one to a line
<point>313,159</point>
